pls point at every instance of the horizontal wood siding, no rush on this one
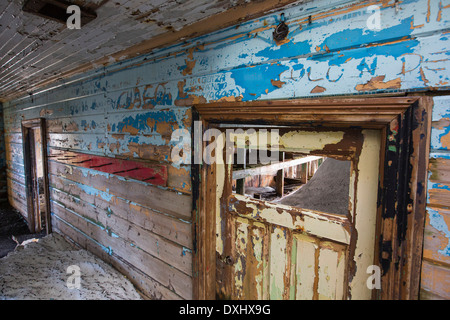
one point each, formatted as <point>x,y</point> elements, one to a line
<point>435,280</point>
<point>129,109</point>
<point>144,230</point>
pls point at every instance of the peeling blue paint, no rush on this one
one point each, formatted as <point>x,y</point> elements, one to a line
<point>438,186</point>
<point>94,192</point>
<point>256,81</point>
<point>436,137</point>
<point>441,111</point>
<point>285,50</point>
<point>437,222</point>
<point>184,250</point>
<point>141,121</point>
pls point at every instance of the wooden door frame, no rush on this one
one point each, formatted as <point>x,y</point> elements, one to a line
<point>405,123</point>
<point>27,126</point>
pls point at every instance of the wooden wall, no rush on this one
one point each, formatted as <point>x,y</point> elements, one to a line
<point>435,282</point>
<point>3,184</point>
<point>130,109</point>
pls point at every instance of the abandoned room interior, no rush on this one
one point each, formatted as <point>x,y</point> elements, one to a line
<point>213,149</point>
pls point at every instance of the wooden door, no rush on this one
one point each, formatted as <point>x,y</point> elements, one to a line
<point>269,250</point>
<point>403,124</point>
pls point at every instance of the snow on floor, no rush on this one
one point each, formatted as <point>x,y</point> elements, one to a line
<point>38,270</point>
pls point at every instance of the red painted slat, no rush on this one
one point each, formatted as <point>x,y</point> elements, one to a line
<point>155,174</point>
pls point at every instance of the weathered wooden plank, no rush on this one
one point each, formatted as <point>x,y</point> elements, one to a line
<point>152,148</point>
<point>440,138</point>
<point>18,205</point>
<point>280,242</point>
<point>250,265</point>
<point>170,228</point>
<point>436,245</point>
<point>13,137</point>
<point>257,265</point>
<point>170,252</point>
<point>155,174</point>
<point>439,194</point>
<point>17,196</point>
<point>85,124</point>
<point>14,153</point>
<point>15,176</point>
<point>120,145</point>
<point>15,167</point>
<point>439,182</point>
<point>436,279</point>
<point>309,221</point>
<point>179,178</point>
<point>77,142</point>
<point>148,122</point>
<point>167,201</point>
<point>122,126</point>
<point>142,281</point>
<point>18,189</point>
<point>305,266</point>
<point>166,226</point>
<point>179,282</point>
<point>327,274</point>
<point>241,240</point>
<point>440,170</point>
<point>331,271</point>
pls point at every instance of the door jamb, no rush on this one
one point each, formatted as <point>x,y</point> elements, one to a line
<point>406,125</point>
<point>28,125</point>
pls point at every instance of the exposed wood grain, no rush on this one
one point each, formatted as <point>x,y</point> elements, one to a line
<point>436,279</point>
<point>170,252</point>
<point>308,221</point>
<point>305,266</point>
<point>155,198</point>
<point>436,239</point>
<point>179,282</point>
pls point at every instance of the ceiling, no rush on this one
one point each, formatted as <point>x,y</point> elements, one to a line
<point>34,51</point>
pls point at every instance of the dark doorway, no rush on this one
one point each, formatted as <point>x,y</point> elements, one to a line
<point>36,178</point>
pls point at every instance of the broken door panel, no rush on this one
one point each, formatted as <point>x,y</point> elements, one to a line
<point>274,251</point>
